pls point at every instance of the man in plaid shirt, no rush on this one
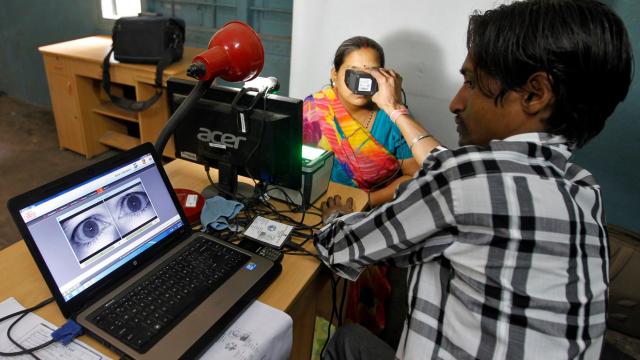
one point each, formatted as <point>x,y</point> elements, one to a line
<point>504,238</point>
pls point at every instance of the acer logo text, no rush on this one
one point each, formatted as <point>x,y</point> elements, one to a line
<point>220,139</point>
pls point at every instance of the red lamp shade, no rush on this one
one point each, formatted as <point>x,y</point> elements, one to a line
<point>235,54</point>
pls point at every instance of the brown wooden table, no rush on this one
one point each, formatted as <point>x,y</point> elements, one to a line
<point>295,291</point>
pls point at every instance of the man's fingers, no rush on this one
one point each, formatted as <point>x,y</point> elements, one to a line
<point>329,202</point>
<point>395,75</point>
<point>375,72</point>
<point>350,203</point>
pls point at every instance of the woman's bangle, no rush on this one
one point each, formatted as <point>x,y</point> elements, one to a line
<point>397,112</point>
<point>418,139</point>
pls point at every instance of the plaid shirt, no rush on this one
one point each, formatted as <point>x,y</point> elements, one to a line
<point>506,249</point>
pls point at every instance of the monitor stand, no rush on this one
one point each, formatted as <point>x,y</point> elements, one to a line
<point>228,186</point>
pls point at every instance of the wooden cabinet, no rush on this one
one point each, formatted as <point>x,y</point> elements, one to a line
<point>66,114</point>
<point>86,120</point>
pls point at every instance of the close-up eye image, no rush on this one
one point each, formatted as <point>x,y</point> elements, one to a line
<point>131,209</point>
<point>90,231</point>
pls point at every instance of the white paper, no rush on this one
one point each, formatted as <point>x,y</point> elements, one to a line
<point>261,332</point>
<point>33,330</point>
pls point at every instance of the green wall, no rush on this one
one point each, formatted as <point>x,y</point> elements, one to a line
<point>612,157</point>
<point>26,25</point>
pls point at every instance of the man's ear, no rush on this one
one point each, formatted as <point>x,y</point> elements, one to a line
<point>537,95</point>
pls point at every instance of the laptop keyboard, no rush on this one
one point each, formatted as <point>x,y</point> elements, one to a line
<point>156,303</point>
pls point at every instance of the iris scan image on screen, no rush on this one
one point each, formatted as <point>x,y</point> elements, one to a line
<point>92,231</point>
<point>131,209</point>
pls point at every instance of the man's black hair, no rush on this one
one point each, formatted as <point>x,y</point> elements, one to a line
<point>582,45</point>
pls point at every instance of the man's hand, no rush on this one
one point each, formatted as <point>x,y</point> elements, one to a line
<point>389,94</point>
<point>334,205</point>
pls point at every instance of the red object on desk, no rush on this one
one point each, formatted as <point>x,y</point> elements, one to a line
<point>192,203</point>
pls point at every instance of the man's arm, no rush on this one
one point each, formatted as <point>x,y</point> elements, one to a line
<point>413,228</point>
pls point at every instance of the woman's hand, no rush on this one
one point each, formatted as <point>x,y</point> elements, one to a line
<point>334,207</point>
<point>389,95</point>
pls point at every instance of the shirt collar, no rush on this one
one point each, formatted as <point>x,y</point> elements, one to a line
<point>539,137</point>
<point>543,138</point>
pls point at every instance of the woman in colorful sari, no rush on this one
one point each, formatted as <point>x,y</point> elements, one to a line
<point>370,153</point>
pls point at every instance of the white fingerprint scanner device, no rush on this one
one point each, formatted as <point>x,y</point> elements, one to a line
<point>317,165</point>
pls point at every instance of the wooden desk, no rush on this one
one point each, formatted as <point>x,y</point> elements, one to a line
<point>86,120</point>
<point>294,291</point>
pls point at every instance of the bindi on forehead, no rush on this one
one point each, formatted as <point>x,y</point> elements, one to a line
<point>364,66</point>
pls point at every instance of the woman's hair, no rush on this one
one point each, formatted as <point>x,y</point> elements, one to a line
<point>582,46</point>
<point>356,43</point>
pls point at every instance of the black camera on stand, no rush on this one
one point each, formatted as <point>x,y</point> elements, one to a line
<point>360,82</point>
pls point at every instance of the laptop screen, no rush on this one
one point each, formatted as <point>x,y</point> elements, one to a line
<point>86,232</point>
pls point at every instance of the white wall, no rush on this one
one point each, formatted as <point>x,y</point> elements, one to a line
<point>424,40</point>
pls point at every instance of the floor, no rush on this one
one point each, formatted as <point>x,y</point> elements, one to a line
<point>29,156</point>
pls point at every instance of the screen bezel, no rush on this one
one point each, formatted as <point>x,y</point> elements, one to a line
<point>80,301</point>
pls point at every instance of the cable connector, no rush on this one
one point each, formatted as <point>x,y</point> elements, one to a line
<point>67,332</point>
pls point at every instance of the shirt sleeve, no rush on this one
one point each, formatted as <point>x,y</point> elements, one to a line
<point>414,228</point>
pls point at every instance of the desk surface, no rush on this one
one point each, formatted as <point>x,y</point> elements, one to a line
<point>22,280</point>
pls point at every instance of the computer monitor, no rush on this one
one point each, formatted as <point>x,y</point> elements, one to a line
<point>263,143</point>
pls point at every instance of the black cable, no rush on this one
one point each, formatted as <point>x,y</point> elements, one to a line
<point>299,248</point>
<point>182,110</point>
<point>250,155</point>
<point>16,343</point>
<point>33,308</point>
<point>404,98</point>
<point>288,200</point>
<point>22,314</point>
<point>24,351</point>
<point>342,301</point>
<point>333,305</point>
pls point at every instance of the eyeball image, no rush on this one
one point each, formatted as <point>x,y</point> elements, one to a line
<point>131,209</point>
<point>90,231</point>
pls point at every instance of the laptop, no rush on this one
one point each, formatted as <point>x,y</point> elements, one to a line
<point>120,258</point>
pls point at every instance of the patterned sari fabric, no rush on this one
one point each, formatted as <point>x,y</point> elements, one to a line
<point>367,298</point>
<point>330,126</point>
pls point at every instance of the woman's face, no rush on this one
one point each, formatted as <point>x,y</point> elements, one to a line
<point>356,60</point>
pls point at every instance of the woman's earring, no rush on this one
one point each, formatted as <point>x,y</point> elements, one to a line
<point>333,83</point>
